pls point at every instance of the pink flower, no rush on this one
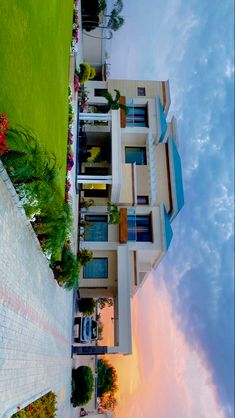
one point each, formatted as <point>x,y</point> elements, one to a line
<point>84,106</point>
<point>76,83</point>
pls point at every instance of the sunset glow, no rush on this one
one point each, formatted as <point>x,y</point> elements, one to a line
<point>163,377</point>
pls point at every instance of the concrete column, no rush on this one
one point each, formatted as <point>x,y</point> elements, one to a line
<point>95,116</point>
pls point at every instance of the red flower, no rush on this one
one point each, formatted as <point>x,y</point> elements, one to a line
<point>3,123</point>
<point>18,407</point>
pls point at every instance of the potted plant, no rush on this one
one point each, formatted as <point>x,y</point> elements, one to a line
<point>114,217</point>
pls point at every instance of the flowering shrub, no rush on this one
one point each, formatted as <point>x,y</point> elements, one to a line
<point>74,43</point>
<point>41,408</point>
<point>83,98</point>
<point>3,123</point>
<point>76,82</point>
<point>70,136</point>
<point>67,188</point>
<point>68,185</point>
<point>75,17</point>
<point>70,160</point>
<point>3,130</point>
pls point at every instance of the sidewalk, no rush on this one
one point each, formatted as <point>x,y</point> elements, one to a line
<point>35,317</point>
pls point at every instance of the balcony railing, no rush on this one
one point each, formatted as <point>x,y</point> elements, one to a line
<point>127,225</point>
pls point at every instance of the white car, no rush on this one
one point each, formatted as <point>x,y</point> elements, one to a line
<point>85,329</point>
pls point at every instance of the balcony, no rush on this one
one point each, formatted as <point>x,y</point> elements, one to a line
<point>127,226</point>
<point>100,155</point>
<point>135,228</point>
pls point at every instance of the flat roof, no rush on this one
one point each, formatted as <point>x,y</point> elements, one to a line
<point>176,177</point>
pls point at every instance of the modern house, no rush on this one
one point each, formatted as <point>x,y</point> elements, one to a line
<point>130,159</point>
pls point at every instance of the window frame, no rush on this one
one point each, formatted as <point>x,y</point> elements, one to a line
<point>141,90</point>
<point>137,229</point>
<point>144,197</point>
<point>100,90</point>
<point>88,219</point>
<point>137,147</point>
<point>134,123</point>
<point>95,277</point>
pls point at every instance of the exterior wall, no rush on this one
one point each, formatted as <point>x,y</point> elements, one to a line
<point>128,88</point>
<point>91,86</point>
<point>92,47</point>
<point>142,180</point>
<point>108,287</point>
<point>161,176</point>
<point>127,189</point>
<point>132,138</point>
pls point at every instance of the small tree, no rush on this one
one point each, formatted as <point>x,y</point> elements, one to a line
<point>108,401</point>
<point>83,385</point>
<point>114,217</point>
<point>107,377</point>
<point>93,10</point>
<point>84,256</point>
<point>114,103</point>
<point>87,72</point>
<point>87,306</point>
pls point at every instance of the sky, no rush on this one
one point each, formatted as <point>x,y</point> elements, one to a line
<point>182,364</point>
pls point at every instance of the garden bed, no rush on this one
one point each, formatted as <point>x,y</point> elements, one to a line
<point>44,407</point>
<point>34,56</point>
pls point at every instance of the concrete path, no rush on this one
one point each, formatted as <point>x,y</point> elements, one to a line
<point>35,316</point>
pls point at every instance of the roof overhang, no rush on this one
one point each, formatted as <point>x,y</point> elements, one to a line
<point>161,121</point>
<point>175,177</point>
<point>167,232</point>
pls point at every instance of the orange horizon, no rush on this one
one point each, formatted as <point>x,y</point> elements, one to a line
<point>163,377</point>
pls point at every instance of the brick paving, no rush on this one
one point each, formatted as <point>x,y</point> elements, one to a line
<point>35,316</point>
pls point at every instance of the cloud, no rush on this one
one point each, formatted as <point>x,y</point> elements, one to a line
<point>164,376</point>
<point>193,45</point>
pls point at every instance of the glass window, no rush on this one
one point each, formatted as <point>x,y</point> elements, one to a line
<point>137,116</point>
<point>97,268</point>
<point>140,227</point>
<point>95,190</point>
<point>141,91</point>
<point>142,200</point>
<point>97,229</point>
<point>135,155</point>
<point>100,92</point>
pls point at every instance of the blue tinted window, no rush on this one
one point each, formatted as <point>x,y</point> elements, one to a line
<point>136,155</point>
<point>97,268</point>
<point>97,229</point>
<point>140,228</point>
<point>137,116</point>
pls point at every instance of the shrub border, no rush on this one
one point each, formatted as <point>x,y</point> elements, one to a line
<point>13,410</point>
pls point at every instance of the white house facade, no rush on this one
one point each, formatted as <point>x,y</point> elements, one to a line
<point>130,159</point>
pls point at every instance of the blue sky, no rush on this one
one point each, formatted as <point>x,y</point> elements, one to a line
<point>191,44</point>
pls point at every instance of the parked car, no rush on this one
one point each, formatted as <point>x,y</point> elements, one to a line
<point>85,329</point>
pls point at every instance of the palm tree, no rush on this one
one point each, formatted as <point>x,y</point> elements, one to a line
<point>115,21</point>
<point>91,21</point>
<point>114,103</point>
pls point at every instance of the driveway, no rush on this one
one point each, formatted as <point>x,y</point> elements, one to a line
<point>35,316</point>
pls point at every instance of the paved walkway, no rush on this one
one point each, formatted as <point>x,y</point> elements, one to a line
<point>35,317</point>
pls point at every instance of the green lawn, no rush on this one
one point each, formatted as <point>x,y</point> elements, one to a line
<point>35,39</point>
